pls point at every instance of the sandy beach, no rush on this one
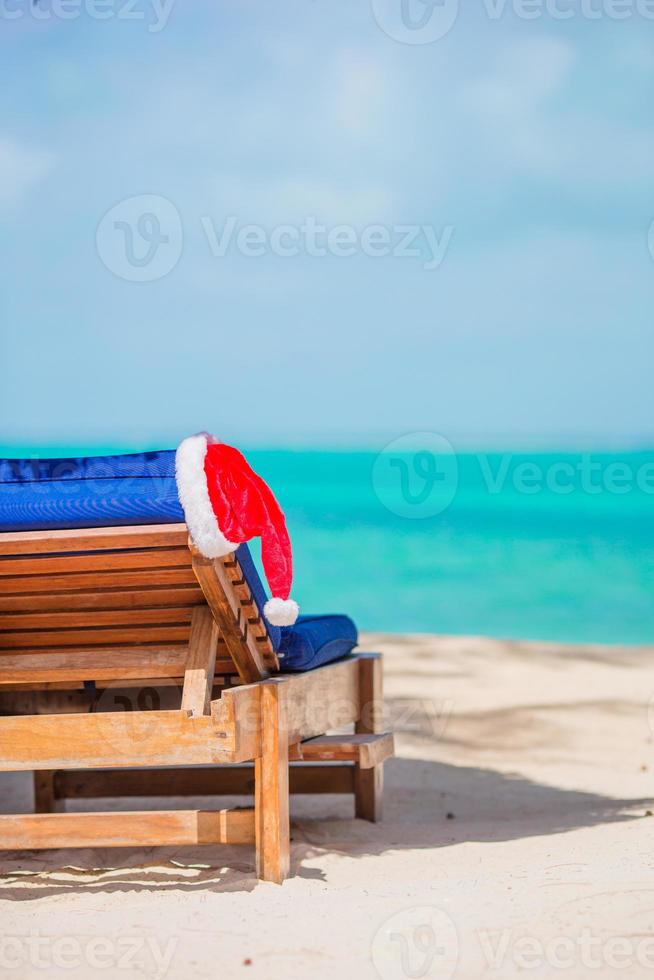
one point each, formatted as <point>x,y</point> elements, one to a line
<point>518,836</point>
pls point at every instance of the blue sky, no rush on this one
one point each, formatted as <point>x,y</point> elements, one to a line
<point>527,144</point>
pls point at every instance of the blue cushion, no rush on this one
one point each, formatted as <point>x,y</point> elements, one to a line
<point>316,640</point>
<point>99,491</point>
<point>140,488</point>
<point>258,592</point>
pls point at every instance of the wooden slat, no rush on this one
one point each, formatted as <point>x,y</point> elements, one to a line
<point>213,781</point>
<point>92,637</point>
<point>115,599</point>
<point>117,683</point>
<point>100,562</point>
<point>95,619</point>
<point>200,663</point>
<point>227,612</point>
<point>113,740</point>
<point>366,750</point>
<point>92,539</point>
<point>325,778</point>
<point>137,829</point>
<point>49,695</point>
<point>115,664</point>
<point>113,579</point>
<point>248,615</point>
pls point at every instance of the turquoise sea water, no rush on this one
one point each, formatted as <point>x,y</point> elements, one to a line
<point>527,545</point>
<point>542,546</point>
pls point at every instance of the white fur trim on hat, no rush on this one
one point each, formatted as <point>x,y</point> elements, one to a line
<point>194,497</point>
<point>281,612</point>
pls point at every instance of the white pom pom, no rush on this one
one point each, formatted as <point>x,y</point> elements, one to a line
<point>281,612</point>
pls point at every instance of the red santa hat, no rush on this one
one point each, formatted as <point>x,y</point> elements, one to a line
<point>225,504</point>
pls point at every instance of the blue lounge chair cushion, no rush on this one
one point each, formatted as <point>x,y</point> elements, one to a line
<point>140,488</point>
<point>316,640</point>
<point>98,491</point>
<point>313,640</point>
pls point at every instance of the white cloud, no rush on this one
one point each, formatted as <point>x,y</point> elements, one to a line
<point>20,166</point>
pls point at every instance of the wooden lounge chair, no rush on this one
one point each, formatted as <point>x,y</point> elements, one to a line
<point>135,614</point>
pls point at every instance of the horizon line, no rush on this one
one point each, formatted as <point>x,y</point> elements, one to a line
<point>460,447</point>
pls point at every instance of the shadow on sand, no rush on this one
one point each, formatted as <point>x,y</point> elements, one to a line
<point>427,805</point>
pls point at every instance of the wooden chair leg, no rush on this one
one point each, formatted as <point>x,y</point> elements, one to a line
<point>271,789</point>
<point>369,783</point>
<point>200,662</point>
<point>44,795</point>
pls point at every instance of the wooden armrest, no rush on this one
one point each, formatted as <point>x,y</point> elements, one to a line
<point>366,750</point>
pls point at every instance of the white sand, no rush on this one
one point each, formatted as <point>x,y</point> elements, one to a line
<point>544,756</point>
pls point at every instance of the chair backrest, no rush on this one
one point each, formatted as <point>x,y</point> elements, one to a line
<point>116,604</point>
